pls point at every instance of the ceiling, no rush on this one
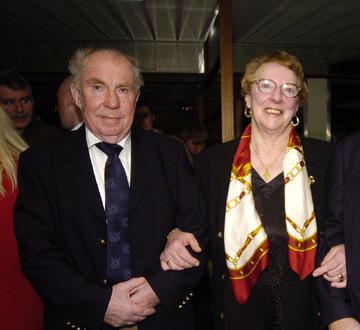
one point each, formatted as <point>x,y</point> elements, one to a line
<point>37,38</point>
<point>168,35</point>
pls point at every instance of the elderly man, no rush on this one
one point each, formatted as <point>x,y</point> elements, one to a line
<point>88,243</point>
<point>69,113</point>
<point>17,101</point>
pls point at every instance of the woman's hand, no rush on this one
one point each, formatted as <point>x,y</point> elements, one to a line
<point>175,255</point>
<point>333,267</point>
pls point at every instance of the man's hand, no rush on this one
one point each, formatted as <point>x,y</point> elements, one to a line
<point>121,310</point>
<point>333,264</point>
<point>345,324</point>
<point>175,255</point>
<point>144,295</point>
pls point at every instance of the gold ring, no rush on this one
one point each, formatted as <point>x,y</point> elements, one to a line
<point>169,262</point>
<point>341,277</point>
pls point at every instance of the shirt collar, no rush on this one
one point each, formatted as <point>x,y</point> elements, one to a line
<point>91,140</point>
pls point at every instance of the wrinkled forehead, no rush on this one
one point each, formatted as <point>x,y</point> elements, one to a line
<point>108,65</point>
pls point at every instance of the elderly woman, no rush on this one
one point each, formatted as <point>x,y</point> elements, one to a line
<point>20,306</point>
<point>266,199</point>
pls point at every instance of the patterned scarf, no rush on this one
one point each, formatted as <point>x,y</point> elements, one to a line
<point>246,242</point>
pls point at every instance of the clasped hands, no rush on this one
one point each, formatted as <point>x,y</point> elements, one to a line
<point>131,302</point>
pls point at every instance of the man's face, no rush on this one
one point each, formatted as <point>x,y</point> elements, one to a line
<point>146,118</point>
<point>107,95</point>
<point>18,104</point>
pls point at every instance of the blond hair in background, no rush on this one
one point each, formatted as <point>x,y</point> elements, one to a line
<point>11,145</point>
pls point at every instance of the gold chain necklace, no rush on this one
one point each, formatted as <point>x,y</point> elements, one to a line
<point>266,175</point>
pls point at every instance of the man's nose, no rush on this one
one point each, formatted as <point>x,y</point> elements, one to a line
<point>19,106</point>
<point>113,100</point>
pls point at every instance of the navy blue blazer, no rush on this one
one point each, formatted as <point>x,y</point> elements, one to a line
<point>60,227</point>
<point>343,226</point>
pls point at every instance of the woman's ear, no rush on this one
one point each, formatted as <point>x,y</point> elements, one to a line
<point>247,101</point>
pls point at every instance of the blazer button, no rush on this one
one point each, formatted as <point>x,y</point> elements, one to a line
<point>222,315</point>
<point>104,281</point>
<point>219,235</point>
<point>102,241</point>
<point>223,276</point>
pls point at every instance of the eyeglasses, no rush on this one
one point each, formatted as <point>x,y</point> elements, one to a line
<point>268,86</point>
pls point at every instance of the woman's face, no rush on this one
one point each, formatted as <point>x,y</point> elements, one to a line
<point>272,112</point>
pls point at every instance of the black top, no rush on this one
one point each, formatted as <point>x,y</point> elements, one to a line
<point>269,204</point>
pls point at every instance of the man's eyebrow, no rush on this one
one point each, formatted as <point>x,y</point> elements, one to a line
<point>124,84</point>
<point>99,81</point>
<point>96,81</point>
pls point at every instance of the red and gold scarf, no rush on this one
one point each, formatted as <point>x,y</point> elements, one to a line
<point>246,242</point>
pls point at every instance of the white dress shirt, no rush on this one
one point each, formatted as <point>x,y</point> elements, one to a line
<point>98,160</point>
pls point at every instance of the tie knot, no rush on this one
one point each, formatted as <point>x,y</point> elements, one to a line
<point>108,148</point>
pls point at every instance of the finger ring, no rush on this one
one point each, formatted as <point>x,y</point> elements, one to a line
<point>169,262</point>
<point>341,277</point>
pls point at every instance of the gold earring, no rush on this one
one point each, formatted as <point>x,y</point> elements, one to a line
<point>297,121</point>
<point>247,112</point>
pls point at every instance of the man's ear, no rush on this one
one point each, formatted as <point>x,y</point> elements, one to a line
<point>76,95</point>
<point>136,98</point>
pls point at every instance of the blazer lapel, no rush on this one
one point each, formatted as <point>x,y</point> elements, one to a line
<point>78,172</point>
<point>144,157</point>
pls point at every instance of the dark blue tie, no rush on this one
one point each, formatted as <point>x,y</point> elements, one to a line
<point>116,211</point>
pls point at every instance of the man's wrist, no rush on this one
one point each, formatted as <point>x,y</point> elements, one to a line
<point>173,231</point>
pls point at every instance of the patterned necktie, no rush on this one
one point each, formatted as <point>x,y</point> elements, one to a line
<point>116,211</point>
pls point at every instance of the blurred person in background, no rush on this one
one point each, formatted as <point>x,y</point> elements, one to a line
<point>17,100</point>
<point>195,137</point>
<point>69,113</point>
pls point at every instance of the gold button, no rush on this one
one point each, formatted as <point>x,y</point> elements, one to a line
<point>318,313</point>
<point>102,241</point>
<point>219,235</point>
<point>223,276</point>
<point>180,306</point>
<point>187,298</point>
<point>78,328</point>
<point>104,281</point>
<point>221,315</point>
<point>191,294</point>
<point>184,302</point>
<point>68,323</point>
